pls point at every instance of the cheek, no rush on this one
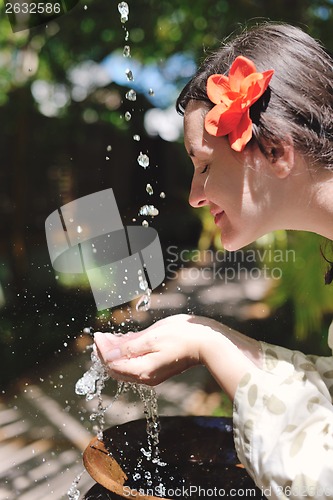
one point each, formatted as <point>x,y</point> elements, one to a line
<point>225,186</point>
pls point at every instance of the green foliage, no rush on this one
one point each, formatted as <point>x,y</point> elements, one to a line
<point>302,282</point>
<point>224,409</point>
<point>297,256</point>
<point>157,29</point>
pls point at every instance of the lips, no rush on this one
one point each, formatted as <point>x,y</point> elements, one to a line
<point>217,216</point>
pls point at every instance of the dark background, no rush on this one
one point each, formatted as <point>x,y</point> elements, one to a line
<point>46,162</point>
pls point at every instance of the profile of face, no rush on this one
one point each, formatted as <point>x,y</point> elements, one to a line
<point>248,194</point>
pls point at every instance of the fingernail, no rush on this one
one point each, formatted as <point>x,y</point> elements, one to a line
<point>112,355</point>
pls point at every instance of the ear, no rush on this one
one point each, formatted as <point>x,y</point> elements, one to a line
<point>282,159</point>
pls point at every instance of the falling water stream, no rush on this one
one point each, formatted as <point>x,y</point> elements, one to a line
<point>92,383</point>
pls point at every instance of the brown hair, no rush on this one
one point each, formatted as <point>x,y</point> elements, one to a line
<point>299,101</point>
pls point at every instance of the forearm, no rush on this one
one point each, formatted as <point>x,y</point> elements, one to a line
<point>250,348</point>
<point>173,344</point>
<point>229,357</point>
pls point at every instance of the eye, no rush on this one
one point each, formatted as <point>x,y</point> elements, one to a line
<point>205,169</point>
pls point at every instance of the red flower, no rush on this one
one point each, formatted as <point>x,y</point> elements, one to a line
<point>233,96</point>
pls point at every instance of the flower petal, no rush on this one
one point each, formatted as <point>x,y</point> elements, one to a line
<point>233,96</point>
<point>255,85</point>
<point>240,69</point>
<point>217,85</point>
<point>221,121</point>
<point>229,98</point>
<point>242,133</point>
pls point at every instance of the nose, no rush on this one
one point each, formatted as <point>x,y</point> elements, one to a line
<point>197,196</point>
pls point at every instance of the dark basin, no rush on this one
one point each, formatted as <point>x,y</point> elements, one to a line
<point>199,453</point>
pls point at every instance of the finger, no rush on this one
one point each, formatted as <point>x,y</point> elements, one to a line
<point>107,347</point>
<point>112,347</point>
<point>140,369</point>
<point>143,344</point>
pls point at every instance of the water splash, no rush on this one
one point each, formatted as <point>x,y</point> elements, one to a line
<point>129,75</point>
<point>131,95</point>
<point>143,160</point>
<point>149,210</point>
<point>73,492</point>
<point>149,189</point>
<point>148,465</point>
<point>144,302</point>
<point>149,398</point>
<point>93,381</point>
<point>127,51</point>
<point>124,11</point>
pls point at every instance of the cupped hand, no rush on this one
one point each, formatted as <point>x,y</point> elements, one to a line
<point>168,347</point>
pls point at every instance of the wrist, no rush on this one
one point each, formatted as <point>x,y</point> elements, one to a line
<point>225,361</point>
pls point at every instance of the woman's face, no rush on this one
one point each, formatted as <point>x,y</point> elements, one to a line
<point>240,188</point>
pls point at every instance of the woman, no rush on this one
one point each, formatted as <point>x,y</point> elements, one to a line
<point>258,123</point>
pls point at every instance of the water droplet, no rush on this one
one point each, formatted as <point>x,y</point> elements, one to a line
<point>124,11</point>
<point>129,75</point>
<point>149,189</point>
<point>162,194</point>
<point>85,7</point>
<point>149,210</point>
<point>73,492</point>
<point>143,303</point>
<point>151,92</point>
<point>143,285</point>
<point>131,95</point>
<point>127,51</point>
<point>109,148</point>
<point>79,229</point>
<point>143,160</point>
<point>128,116</point>
<point>136,137</point>
<point>107,158</point>
<point>145,223</point>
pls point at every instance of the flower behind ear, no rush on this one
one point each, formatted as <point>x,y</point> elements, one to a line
<point>233,95</point>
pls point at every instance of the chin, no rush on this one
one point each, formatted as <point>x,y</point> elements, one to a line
<point>234,243</point>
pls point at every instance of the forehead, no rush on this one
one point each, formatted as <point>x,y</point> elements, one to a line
<point>196,138</point>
